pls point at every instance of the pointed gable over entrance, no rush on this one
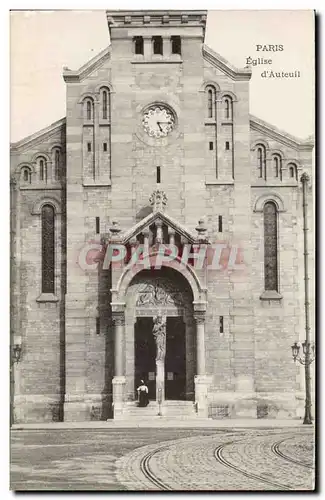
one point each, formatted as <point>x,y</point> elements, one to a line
<point>155,225</point>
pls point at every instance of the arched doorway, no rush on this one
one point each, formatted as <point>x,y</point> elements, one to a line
<point>163,293</point>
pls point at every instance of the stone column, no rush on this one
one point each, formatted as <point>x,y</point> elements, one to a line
<point>119,380</point>
<point>167,46</point>
<point>159,234</point>
<point>202,381</point>
<point>200,343</point>
<point>159,332</point>
<point>147,46</point>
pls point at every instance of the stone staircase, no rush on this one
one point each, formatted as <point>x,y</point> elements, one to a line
<point>169,409</point>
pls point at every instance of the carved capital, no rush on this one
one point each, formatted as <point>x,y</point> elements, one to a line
<point>199,317</point>
<point>118,319</point>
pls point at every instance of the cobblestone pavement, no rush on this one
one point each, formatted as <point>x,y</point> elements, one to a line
<point>253,460</point>
<point>162,459</point>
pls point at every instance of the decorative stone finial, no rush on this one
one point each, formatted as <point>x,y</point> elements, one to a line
<point>115,229</point>
<point>201,229</point>
<point>158,200</point>
<point>305,177</point>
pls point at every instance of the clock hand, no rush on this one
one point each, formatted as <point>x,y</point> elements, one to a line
<point>158,123</point>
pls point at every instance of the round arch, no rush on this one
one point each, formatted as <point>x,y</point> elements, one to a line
<point>131,270</point>
<point>264,198</point>
<point>37,208</point>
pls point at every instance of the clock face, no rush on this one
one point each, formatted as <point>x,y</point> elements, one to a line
<point>158,121</point>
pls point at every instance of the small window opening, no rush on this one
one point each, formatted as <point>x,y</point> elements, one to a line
<point>227,145</point>
<point>89,147</point>
<point>97,225</point>
<point>157,45</point>
<point>158,175</point>
<point>105,147</point>
<point>97,326</point>
<point>176,44</point>
<point>138,45</point>
<point>221,324</point>
<point>26,175</point>
<point>220,224</point>
<point>211,146</point>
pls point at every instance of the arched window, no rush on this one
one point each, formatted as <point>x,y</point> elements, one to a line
<point>293,171</point>
<point>227,106</point>
<point>270,247</point>
<point>26,175</point>
<point>277,166</point>
<point>261,162</point>
<point>57,158</point>
<point>89,109</point>
<point>105,104</point>
<point>211,95</point>
<point>48,248</point>
<point>43,169</point>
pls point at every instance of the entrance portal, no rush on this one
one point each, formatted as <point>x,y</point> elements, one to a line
<point>175,358</point>
<point>145,355</point>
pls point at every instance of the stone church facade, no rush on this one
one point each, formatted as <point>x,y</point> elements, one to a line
<point>157,148</point>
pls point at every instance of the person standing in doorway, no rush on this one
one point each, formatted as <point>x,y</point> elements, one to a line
<point>143,399</point>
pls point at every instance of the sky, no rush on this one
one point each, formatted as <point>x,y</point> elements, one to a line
<point>43,42</point>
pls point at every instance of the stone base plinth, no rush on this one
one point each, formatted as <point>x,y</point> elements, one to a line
<point>202,384</point>
<point>119,385</point>
<point>37,408</point>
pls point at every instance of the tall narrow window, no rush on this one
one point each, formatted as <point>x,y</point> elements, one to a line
<point>210,146</point>
<point>89,110</point>
<point>157,45</point>
<point>105,104</point>
<point>97,225</point>
<point>138,45</point>
<point>158,175</point>
<point>97,326</point>
<point>210,103</point>
<point>293,172</point>
<point>89,147</point>
<point>57,164</point>
<point>176,44</point>
<point>270,247</point>
<point>221,324</point>
<point>105,147</point>
<point>220,223</point>
<point>227,145</point>
<point>261,162</point>
<point>26,175</point>
<point>227,102</point>
<point>43,170</point>
<point>48,248</point>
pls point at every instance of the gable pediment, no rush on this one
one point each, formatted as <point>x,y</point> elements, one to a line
<point>154,217</point>
<point>223,65</point>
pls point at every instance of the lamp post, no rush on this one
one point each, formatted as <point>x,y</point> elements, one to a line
<point>308,347</point>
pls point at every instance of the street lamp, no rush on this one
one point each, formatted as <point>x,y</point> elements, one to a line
<point>308,348</point>
<point>308,351</point>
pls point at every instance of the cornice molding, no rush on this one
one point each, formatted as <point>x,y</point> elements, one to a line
<point>219,62</point>
<point>41,135</point>
<point>279,135</point>
<point>75,76</point>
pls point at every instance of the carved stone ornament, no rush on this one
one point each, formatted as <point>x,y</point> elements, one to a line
<point>158,200</point>
<point>159,293</point>
<point>159,333</point>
